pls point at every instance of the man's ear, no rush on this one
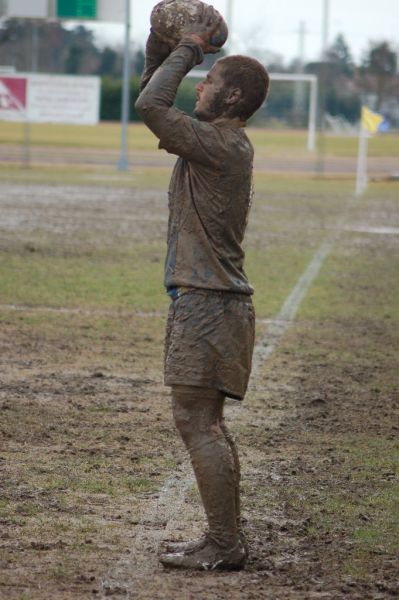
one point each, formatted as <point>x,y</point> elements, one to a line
<point>234,96</point>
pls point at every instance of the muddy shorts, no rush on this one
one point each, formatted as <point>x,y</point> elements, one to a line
<point>209,341</point>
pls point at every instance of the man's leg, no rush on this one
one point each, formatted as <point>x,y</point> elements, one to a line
<point>237,470</point>
<point>198,414</point>
<point>192,544</point>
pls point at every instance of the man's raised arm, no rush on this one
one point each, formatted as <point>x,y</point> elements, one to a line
<point>161,88</point>
<point>164,70</point>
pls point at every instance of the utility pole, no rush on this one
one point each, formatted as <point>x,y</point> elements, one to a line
<point>123,163</point>
<point>301,46</point>
<point>326,22</point>
<point>34,67</point>
<point>35,46</point>
<point>323,90</point>
<point>229,21</point>
<point>299,90</point>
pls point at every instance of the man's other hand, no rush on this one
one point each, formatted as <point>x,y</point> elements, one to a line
<point>202,30</point>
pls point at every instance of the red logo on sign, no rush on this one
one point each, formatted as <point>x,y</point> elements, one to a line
<point>12,93</point>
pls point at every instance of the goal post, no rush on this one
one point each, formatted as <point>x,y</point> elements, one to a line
<point>291,77</point>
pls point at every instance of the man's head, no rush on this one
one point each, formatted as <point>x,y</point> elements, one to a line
<point>235,87</point>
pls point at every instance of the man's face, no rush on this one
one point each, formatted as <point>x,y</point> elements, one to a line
<point>211,95</point>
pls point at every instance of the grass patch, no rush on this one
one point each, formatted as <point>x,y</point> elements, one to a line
<point>107,136</point>
<point>132,281</point>
<point>303,189</point>
<point>356,282</point>
<point>5,509</point>
<point>365,514</point>
<point>140,485</point>
<point>264,270</point>
<point>103,136</point>
<point>278,143</point>
<point>103,484</point>
<point>143,178</point>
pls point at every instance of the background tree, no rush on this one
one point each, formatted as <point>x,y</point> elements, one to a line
<point>138,59</point>
<point>60,50</point>
<point>110,63</point>
<point>340,55</point>
<point>15,44</point>
<point>83,57</point>
<point>378,73</point>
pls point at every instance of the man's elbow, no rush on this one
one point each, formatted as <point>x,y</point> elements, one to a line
<point>150,112</point>
<point>141,106</point>
<point>146,108</point>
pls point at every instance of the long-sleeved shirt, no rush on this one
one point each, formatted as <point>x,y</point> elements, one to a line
<point>211,187</point>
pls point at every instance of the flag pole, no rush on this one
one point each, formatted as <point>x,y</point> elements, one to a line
<point>370,122</point>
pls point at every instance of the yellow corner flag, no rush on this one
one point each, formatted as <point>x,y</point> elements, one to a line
<point>370,120</point>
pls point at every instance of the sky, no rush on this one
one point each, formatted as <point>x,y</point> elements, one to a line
<point>274,26</point>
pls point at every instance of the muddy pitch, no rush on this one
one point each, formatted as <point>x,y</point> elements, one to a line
<point>88,444</point>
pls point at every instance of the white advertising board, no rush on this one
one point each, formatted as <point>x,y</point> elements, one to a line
<point>63,99</point>
<point>50,99</point>
<point>107,10</point>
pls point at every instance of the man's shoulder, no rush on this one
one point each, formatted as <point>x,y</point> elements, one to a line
<point>223,137</point>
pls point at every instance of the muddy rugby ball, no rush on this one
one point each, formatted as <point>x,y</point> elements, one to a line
<point>170,18</point>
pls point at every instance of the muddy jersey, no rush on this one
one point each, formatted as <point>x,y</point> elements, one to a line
<point>211,186</point>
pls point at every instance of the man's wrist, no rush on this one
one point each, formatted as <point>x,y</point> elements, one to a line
<point>196,39</point>
<point>189,42</point>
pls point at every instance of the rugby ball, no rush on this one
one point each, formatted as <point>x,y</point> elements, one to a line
<point>170,18</point>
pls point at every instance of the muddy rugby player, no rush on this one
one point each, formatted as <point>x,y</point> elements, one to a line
<point>210,328</point>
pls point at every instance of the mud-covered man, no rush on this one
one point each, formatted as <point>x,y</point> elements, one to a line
<point>210,329</point>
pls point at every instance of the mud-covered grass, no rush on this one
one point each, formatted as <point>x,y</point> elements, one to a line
<point>329,478</point>
<point>340,476</point>
<point>341,480</point>
<point>87,439</point>
<point>78,464</point>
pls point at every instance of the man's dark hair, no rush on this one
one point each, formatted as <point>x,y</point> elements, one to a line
<point>251,77</point>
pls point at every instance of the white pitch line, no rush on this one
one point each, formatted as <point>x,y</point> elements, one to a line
<point>373,230</point>
<point>149,532</point>
<point>172,495</point>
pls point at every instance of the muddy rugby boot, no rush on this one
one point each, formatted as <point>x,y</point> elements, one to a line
<point>207,556</point>
<point>188,546</point>
<point>191,545</point>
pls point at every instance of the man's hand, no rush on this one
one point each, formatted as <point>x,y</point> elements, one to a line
<point>156,48</point>
<point>204,28</point>
<point>156,51</point>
